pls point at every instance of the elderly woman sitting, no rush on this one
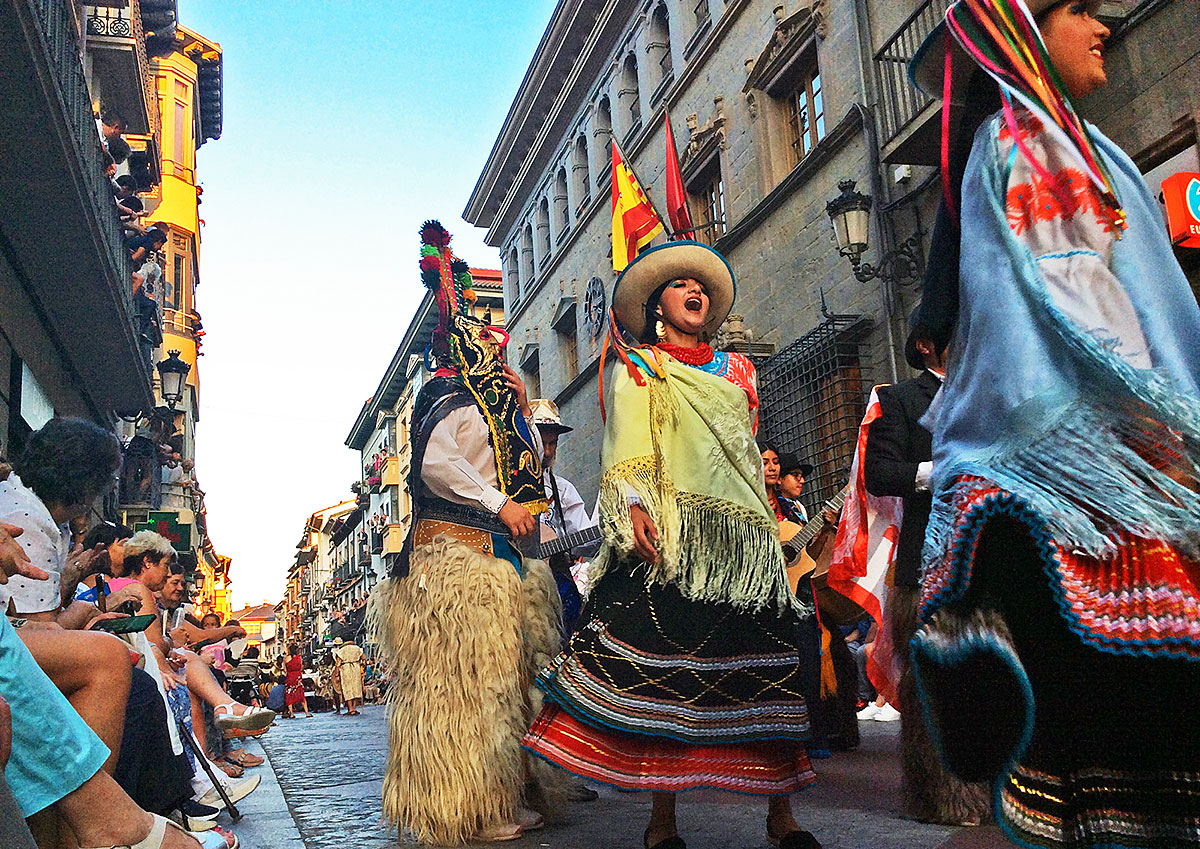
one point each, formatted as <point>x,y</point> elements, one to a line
<point>148,557</point>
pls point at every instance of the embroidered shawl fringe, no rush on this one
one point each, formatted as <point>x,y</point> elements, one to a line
<point>1092,464</point>
<point>710,550</point>
<point>1091,475</point>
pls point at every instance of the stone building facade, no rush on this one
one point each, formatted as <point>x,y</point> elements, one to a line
<point>773,103</point>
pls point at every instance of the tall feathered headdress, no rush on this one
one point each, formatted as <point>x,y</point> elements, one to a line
<point>450,280</point>
<point>468,349</point>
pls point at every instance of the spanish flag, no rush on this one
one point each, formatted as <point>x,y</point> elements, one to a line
<point>634,221</point>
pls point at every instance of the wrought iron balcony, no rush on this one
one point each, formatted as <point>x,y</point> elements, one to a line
<point>904,113</point>
<point>52,180</point>
<point>120,67</point>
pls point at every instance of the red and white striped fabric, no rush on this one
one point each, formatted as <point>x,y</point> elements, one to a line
<point>862,557</point>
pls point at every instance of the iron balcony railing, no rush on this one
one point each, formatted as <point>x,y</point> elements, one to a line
<point>126,22</point>
<point>900,102</point>
<point>56,22</point>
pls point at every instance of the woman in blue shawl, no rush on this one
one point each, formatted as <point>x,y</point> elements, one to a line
<point>1060,586</point>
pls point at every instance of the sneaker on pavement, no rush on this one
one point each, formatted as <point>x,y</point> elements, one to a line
<point>887,713</point>
<point>869,712</point>
<point>236,790</point>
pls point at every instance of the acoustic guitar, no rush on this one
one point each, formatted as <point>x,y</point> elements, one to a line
<point>795,539</point>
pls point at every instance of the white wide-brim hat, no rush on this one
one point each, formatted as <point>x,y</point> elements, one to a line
<point>674,261</point>
<point>544,413</point>
<point>927,68</point>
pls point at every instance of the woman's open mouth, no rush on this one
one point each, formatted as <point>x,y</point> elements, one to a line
<point>693,304</point>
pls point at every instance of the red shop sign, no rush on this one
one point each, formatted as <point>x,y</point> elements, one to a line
<point>1182,195</point>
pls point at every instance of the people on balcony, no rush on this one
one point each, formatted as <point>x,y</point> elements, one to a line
<point>142,245</point>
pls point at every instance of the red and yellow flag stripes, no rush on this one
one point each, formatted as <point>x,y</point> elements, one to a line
<point>634,221</point>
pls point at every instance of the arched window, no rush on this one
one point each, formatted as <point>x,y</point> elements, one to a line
<point>543,232</point>
<point>526,261</point>
<point>602,135</point>
<point>579,173</point>
<point>629,97</point>
<point>658,52</point>
<point>562,214</point>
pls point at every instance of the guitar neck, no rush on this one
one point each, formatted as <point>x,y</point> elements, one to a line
<point>560,544</point>
<point>809,532</point>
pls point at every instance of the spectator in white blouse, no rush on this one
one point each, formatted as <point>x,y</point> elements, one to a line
<point>65,468</point>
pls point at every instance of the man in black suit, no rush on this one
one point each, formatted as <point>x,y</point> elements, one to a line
<point>898,462</point>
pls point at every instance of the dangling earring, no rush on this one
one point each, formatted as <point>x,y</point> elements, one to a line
<point>660,329</point>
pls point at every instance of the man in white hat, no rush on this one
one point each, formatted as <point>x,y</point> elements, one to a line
<point>567,514</point>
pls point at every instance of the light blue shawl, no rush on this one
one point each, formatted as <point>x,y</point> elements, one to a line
<point>1038,406</point>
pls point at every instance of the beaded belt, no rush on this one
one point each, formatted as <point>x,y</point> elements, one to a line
<point>427,529</point>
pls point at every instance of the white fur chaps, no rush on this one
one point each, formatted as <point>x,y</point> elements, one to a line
<point>464,636</point>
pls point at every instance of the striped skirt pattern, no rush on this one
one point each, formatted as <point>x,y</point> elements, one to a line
<point>658,692</point>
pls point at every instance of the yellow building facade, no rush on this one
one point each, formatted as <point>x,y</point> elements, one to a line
<point>188,85</point>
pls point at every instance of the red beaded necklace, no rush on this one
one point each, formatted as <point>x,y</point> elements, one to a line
<point>698,356</point>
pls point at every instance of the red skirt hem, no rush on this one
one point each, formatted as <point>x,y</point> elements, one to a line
<point>646,762</point>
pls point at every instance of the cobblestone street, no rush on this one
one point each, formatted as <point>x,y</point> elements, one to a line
<point>330,769</point>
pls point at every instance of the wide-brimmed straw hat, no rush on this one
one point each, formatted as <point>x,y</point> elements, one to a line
<point>927,67</point>
<point>544,413</point>
<point>673,261</point>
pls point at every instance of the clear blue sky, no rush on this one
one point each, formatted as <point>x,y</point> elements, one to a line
<point>346,125</point>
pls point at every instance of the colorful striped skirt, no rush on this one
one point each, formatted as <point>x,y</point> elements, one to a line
<point>658,692</point>
<point>1067,681</point>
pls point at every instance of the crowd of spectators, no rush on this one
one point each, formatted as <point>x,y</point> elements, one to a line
<point>117,721</point>
<point>144,242</point>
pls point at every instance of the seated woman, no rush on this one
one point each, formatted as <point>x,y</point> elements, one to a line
<point>66,466</point>
<point>147,564</point>
<point>111,537</point>
<point>55,770</point>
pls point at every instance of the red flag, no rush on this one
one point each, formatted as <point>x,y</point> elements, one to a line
<point>677,210</point>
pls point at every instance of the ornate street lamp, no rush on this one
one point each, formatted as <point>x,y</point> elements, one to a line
<point>172,375</point>
<point>850,215</point>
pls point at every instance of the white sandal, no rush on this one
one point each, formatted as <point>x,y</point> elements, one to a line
<point>158,833</point>
<point>253,719</point>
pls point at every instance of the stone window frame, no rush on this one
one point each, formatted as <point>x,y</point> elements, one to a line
<point>581,171</point>
<point>660,62</point>
<point>789,61</point>
<point>705,183</point>
<point>629,96</point>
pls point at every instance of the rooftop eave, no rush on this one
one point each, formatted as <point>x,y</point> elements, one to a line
<point>559,51</point>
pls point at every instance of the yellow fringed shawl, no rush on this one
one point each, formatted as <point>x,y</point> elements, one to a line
<point>682,441</point>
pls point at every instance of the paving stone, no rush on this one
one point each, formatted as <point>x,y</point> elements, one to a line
<point>330,772</point>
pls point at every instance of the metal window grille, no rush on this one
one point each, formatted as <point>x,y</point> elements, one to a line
<point>812,397</point>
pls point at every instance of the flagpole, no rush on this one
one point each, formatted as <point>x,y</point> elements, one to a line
<point>646,189</point>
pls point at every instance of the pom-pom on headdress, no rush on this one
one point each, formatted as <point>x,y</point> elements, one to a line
<point>450,280</point>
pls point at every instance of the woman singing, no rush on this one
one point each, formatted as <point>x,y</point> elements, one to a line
<point>684,672</point>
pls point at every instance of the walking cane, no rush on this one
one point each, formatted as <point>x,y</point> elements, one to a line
<point>203,759</point>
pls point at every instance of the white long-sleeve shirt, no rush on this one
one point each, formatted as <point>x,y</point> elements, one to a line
<point>574,512</point>
<point>459,464</point>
